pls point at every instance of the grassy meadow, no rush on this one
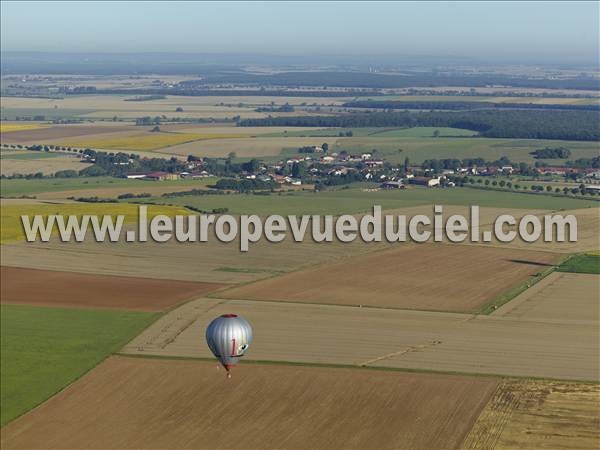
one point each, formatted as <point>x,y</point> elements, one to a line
<point>583,263</point>
<point>45,349</point>
<point>17,187</point>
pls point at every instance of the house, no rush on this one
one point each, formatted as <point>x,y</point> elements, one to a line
<point>393,185</point>
<point>366,156</point>
<point>373,162</point>
<point>425,181</point>
<point>327,159</point>
<point>161,176</point>
<point>507,169</point>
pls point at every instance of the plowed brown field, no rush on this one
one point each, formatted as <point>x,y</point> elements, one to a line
<point>129,403</point>
<point>457,278</point>
<point>54,288</point>
<point>43,135</point>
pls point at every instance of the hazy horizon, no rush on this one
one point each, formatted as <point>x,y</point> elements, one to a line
<point>535,32</point>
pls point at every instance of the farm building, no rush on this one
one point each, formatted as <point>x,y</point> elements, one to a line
<point>134,176</point>
<point>393,185</point>
<point>425,181</point>
<point>161,176</point>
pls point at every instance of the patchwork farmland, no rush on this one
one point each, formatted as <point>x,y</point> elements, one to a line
<point>190,405</point>
<point>484,345</point>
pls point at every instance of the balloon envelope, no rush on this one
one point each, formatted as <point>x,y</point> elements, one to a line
<point>228,337</point>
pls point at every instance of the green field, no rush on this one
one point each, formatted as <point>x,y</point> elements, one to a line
<point>16,187</point>
<point>45,349</point>
<point>354,200</point>
<point>586,263</point>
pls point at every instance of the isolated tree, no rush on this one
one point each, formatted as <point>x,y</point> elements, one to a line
<point>325,147</point>
<point>436,133</point>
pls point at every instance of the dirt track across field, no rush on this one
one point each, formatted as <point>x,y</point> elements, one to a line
<point>457,278</point>
<point>387,338</point>
<point>135,403</point>
<point>53,288</point>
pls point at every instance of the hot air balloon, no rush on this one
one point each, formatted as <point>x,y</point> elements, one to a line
<point>228,337</point>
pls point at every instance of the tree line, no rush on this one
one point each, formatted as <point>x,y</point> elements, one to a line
<point>461,106</point>
<point>524,124</point>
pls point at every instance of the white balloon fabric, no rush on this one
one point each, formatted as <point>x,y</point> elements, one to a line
<point>228,337</point>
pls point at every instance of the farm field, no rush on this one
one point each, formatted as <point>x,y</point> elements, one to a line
<point>145,141</point>
<point>42,133</point>
<point>539,414</point>
<point>12,227</point>
<point>45,349</point>
<point>50,186</point>
<point>108,106</point>
<point>224,263</point>
<point>493,99</point>
<point>249,147</point>
<point>586,263</point>
<point>210,261</point>
<point>174,404</point>
<point>33,162</point>
<point>22,286</point>
<point>7,127</point>
<point>401,278</point>
<point>417,149</point>
<point>548,299</point>
<point>357,200</point>
<point>387,338</point>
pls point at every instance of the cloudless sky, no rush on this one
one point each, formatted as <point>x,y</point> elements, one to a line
<point>556,31</point>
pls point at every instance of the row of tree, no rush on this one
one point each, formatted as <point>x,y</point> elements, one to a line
<point>461,105</point>
<point>525,124</point>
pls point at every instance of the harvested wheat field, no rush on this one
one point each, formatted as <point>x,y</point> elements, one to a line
<point>561,296</point>
<point>139,403</point>
<point>54,288</point>
<point>457,278</point>
<point>380,337</point>
<point>45,165</point>
<point>539,414</point>
<point>210,261</point>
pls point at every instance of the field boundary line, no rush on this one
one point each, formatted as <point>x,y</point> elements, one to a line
<point>358,367</point>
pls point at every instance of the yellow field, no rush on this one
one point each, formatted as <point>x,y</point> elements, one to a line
<point>538,414</point>
<point>12,228</point>
<point>150,141</point>
<point>8,127</point>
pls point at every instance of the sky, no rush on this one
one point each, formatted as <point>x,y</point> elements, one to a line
<point>519,31</point>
